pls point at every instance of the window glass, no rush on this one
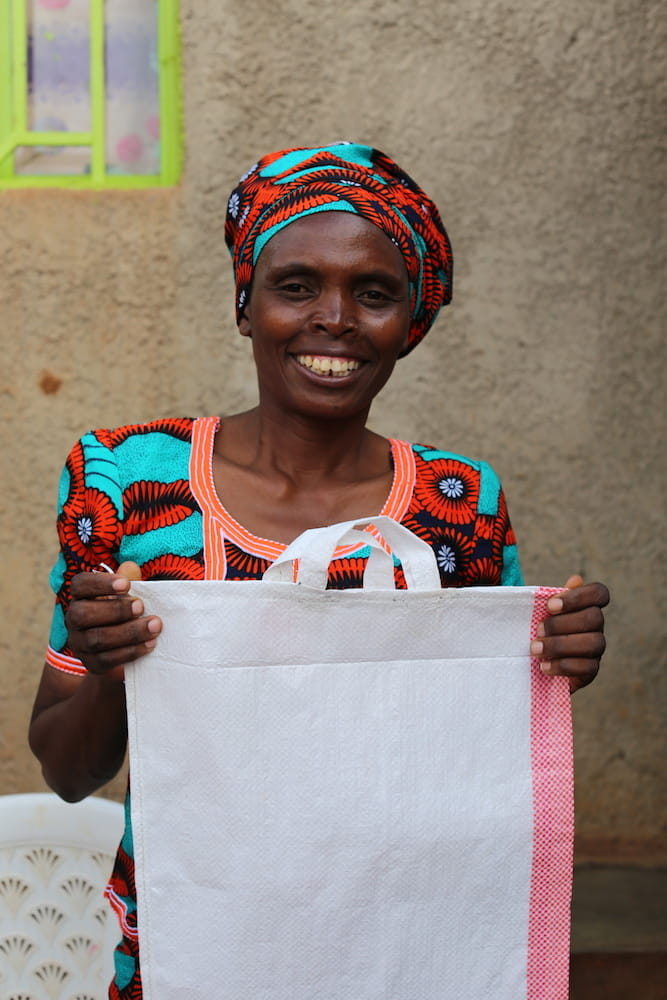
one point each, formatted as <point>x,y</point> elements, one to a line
<point>89,92</point>
<point>133,93</point>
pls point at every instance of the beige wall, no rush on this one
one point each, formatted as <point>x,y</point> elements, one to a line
<point>536,128</point>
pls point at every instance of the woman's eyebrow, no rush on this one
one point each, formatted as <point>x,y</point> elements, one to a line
<point>292,267</point>
<point>279,271</point>
<point>381,275</point>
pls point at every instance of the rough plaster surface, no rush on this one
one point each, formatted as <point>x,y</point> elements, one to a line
<point>535,127</point>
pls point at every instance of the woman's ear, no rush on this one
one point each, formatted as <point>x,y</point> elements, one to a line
<point>244,325</point>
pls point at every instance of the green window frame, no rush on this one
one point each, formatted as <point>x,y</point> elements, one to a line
<point>14,130</point>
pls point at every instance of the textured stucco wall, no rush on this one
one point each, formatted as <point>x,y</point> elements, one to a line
<point>535,126</point>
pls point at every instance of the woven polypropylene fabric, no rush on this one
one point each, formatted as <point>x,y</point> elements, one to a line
<point>553,798</point>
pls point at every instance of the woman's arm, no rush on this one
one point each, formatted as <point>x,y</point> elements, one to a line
<point>78,729</point>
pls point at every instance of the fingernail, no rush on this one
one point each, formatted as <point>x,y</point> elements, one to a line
<point>137,607</point>
<point>120,584</point>
<point>536,648</point>
<point>150,644</point>
<point>545,667</point>
<point>555,604</point>
<point>154,625</point>
<point>540,630</point>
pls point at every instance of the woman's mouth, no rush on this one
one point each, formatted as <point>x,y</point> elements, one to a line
<point>323,364</point>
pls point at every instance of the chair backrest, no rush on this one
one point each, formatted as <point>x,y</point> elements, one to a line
<point>57,932</point>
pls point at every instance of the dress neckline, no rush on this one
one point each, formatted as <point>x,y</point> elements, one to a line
<point>219,523</point>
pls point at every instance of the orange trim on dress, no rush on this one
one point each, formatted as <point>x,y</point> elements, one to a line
<point>68,664</point>
<point>402,487</point>
<point>120,908</point>
<point>201,484</point>
<point>219,524</point>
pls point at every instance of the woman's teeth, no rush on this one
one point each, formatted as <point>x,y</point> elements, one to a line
<point>323,365</point>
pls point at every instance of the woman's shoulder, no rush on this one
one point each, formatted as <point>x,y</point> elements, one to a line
<point>146,438</point>
<point>113,457</point>
<point>458,507</point>
<point>431,453</point>
<point>428,455</point>
<point>451,478</point>
<point>179,428</point>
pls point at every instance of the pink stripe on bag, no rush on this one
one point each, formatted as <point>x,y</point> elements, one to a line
<point>553,806</point>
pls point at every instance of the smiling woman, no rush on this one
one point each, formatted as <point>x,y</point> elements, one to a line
<point>329,287</point>
<point>328,317</point>
<point>341,265</point>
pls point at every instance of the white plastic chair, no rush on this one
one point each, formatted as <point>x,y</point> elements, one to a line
<point>57,932</point>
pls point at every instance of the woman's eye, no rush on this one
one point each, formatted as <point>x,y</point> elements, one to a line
<point>293,288</point>
<point>374,295</point>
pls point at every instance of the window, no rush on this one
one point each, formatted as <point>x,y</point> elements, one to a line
<point>89,93</point>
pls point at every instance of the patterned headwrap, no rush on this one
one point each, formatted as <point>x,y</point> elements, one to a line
<point>344,177</point>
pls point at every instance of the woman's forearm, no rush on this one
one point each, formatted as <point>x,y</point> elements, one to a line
<point>79,734</point>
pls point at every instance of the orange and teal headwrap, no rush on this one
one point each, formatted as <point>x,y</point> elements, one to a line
<point>344,177</point>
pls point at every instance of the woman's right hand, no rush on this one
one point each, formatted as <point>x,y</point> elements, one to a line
<point>106,626</point>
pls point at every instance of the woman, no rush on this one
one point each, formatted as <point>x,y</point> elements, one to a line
<point>341,265</point>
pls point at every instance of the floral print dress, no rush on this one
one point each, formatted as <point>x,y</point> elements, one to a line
<point>145,493</point>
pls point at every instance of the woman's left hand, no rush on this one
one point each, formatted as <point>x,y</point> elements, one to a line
<point>570,642</point>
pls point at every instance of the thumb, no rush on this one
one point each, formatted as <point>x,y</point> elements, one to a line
<point>131,571</point>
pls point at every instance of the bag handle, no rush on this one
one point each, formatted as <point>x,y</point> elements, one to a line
<point>315,548</point>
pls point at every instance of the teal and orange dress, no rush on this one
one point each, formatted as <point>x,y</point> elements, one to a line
<point>145,493</point>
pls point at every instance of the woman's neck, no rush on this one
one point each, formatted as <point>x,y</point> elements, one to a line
<point>302,450</point>
<point>278,478</point>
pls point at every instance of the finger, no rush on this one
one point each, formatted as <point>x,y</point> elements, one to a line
<point>572,581</point>
<point>588,595</point>
<point>586,645</point>
<point>102,640</point>
<point>588,620</point>
<point>111,659</point>
<point>84,614</point>
<point>578,672</point>
<point>92,585</point>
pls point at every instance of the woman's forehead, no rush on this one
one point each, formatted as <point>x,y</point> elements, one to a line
<point>332,236</point>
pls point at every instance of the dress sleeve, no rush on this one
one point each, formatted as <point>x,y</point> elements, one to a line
<point>512,575</point>
<point>459,508</point>
<point>493,521</point>
<point>506,547</point>
<point>89,527</point>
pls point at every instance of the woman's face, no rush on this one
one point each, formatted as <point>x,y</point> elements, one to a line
<point>328,315</point>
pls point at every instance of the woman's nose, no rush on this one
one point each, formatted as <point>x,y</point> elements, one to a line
<point>335,312</point>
